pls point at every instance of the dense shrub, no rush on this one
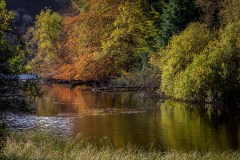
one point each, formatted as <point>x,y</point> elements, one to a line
<point>180,53</point>
<point>206,69</point>
<point>230,11</point>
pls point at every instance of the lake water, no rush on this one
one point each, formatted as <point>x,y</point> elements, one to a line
<point>131,118</point>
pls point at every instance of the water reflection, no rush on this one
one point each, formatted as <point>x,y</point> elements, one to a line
<point>59,100</point>
<point>199,127</point>
<point>131,118</point>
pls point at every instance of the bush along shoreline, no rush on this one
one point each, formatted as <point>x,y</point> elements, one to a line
<point>105,86</point>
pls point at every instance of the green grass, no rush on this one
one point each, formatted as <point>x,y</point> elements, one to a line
<point>42,146</point>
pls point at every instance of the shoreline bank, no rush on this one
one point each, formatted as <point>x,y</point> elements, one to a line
<point>44,146</point>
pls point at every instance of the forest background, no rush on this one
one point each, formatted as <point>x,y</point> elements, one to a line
<point>190,49</point>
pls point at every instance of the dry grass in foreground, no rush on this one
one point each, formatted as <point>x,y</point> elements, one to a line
<point>28,146</point>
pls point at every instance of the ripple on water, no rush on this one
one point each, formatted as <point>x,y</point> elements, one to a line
<point>60,124</point>
<point>24,122</point>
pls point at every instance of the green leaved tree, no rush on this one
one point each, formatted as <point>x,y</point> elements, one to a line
<point>180,53</point>
<point>48,41</point>
<point>201,64</point>
<point>214,73</point>
<point>12,55</point>
<point>175,17</point>
<point>12,58</point>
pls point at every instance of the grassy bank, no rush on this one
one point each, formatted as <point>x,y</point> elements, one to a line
<point>41,146</point>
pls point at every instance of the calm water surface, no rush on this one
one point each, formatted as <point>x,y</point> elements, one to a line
<point>136,118</point>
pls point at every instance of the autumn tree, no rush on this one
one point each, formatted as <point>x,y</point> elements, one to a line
<point>81,5</point>
<point>131,41</point>
<point>85,32</point>
<point>48,35</point>
<point>90,28</point>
